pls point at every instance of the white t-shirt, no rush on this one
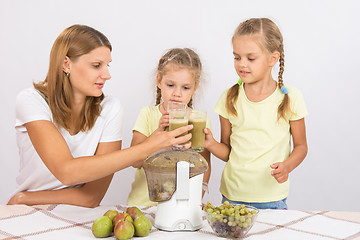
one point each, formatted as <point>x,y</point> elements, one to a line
<point>31,106</point>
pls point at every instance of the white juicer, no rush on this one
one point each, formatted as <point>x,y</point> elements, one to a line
<point>175,182</point>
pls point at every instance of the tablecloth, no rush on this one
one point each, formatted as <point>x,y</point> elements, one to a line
<point>72,222</point>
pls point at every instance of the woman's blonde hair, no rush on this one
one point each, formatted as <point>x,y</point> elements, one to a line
<point>73,42</point>
<point>271,40</point>
<point>179,58</point>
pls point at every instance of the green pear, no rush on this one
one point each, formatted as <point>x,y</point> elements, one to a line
<point>111,214</point>
<point>142,226</point>
<point>102,227</point>
<point>134,212</point>
<point>124,230</point>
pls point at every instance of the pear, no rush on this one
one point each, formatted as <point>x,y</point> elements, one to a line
<point>111,214</point>
<point>122,216</point>
<point>134,212</point>
<point>124,230</point>
<point>102,227</point>
<point>142,226</point>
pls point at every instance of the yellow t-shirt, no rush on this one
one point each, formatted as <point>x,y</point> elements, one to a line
<point>258,140</point>
<point>146,123</point>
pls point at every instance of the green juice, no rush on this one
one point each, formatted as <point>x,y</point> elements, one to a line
<point>198,135</point>
<point>176,123</point>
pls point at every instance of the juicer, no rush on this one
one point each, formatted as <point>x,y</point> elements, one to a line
<point>174,179</point>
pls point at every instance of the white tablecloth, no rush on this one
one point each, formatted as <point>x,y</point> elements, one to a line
<point>53,222</point>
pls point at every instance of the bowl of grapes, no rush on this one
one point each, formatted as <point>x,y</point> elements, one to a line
<point>230,220</point>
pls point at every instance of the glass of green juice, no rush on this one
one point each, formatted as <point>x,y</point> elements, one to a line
<point>198,120</point>
<point>178,117</point>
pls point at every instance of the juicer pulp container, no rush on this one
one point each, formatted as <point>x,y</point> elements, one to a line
<point>175,181</point>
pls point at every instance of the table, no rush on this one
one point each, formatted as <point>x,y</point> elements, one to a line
<point>72,222</point>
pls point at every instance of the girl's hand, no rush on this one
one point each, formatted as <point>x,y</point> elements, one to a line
<point>164,121</point>
<point>209,139</point>
<point>280,172</point>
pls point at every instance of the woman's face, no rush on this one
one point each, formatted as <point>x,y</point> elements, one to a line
<point>177,84</point>
<point>89,72</point>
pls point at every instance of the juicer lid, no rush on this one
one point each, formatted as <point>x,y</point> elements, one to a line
<point>166,160</point>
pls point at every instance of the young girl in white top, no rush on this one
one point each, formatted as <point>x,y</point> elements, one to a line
<point>178,77</point>
<point>258,117</point>
<point>68,133</point>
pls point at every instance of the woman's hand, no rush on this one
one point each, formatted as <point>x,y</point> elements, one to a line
<point>18,198</point>
<point>161,139</point>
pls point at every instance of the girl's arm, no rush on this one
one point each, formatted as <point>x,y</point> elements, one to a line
<point>220,150</point>
<point>54,152</point>
<point>206,178</point>
<point>282,169</point>
<point>88,195</point>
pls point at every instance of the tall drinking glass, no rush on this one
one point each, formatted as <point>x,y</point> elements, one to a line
<point>178,117</point>
<point>198,120</point>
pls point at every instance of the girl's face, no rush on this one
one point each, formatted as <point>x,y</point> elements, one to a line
<point>89,72</point>
<point>177,84</point>
<point>252,64</point>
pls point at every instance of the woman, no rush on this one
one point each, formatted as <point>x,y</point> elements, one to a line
<point>69,133</point>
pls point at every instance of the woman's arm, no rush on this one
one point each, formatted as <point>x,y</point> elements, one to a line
<point>139,137</point>
<point>55,154</point>
<point>282,169</point>
<point>88,195</point>
<point>220,150</point>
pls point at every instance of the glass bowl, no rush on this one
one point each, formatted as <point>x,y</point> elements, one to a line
<point>231,221</point>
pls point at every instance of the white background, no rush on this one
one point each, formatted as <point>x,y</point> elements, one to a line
<point>321,59</point>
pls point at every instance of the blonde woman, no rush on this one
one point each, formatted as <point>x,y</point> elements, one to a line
<point>69,133</point>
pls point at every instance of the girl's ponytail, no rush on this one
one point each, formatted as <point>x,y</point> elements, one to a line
<point>231,99</point>
<point>284,106</point>
<point>158,96</point>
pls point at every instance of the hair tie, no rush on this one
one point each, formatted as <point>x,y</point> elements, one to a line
<point>284,90</point>
<point>239,82</point>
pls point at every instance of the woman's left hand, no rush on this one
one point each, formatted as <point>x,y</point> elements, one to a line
<point>18,198</point>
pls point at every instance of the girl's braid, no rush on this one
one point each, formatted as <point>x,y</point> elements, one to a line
<point>281,69</point>
<point>158,96</point>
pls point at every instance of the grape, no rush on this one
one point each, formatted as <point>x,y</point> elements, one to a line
<point>210,210</point>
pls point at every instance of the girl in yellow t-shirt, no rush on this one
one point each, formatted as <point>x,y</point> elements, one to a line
<point>178,76</point>
<point>258,116</point>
